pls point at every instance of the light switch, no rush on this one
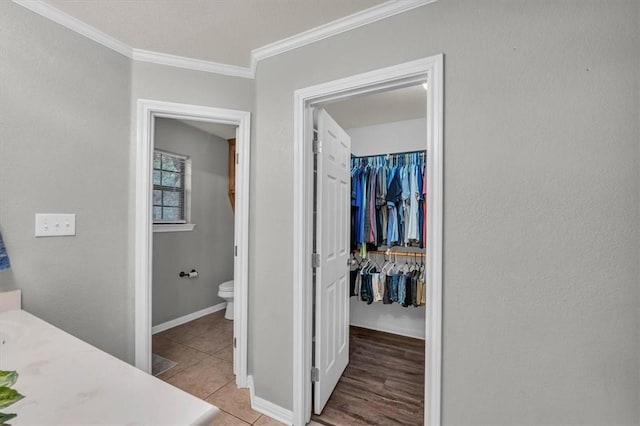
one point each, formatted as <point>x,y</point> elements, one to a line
<point>55,225</point>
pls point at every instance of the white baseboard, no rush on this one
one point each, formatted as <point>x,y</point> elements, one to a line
<point>407,332</point>
<point>268,408</point>
<point>186,318</point>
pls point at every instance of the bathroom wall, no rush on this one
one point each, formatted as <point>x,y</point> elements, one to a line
<point>398,136</point>
<point>209,247</point>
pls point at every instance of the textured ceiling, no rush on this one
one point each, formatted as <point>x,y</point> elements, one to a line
<point>222,31</point>
<point>225,31</point>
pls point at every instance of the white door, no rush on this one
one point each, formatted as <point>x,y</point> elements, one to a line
<point>332,244</point>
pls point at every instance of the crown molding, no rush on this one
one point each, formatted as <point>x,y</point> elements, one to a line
<point>56,15</point>
<point>341,25</point>
<point>191,64</point>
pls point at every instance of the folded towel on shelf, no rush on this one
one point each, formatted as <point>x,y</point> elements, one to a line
<point>4,257</point>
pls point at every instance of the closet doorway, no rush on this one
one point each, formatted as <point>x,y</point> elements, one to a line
<point>321,341</point>
<point>368,345</point>
<point>148,113</point>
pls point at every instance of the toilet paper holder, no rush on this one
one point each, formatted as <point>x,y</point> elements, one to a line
<point>191,274</point>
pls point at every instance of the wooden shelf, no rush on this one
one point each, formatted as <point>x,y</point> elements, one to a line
<point>389,252</point>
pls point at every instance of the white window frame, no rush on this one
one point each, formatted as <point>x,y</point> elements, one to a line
<point>187,225</point>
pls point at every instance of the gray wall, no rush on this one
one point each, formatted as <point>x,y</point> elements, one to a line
<point>170,84</point>
<point>398,136</point>
<point>209,247</point>
<point>541,179</point>
<point>165,83</point>
<point>541,214</point>
<point>64,138</point>
<point>65,97</point>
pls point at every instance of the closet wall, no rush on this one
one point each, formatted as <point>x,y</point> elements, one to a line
<point>400,136</point>
<point>209,247</point>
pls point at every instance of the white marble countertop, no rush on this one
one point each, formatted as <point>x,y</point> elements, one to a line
<point>66,381</point>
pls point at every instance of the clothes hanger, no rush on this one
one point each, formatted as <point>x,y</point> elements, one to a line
<point>412,266</point>
<point>387,265</point>
<point>375,265</point>
<point>397,266</point>
<point>365,266</point>
<point>406,268</point>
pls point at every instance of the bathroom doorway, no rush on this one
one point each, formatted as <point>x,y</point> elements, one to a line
<point>151,113</point>
<point>193,248</point>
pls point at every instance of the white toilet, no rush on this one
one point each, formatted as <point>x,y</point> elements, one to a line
<point>225,291</point>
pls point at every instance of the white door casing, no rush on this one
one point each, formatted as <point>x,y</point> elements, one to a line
<point>431,71</point>
<point>148,110</point>
<point>333,193</point>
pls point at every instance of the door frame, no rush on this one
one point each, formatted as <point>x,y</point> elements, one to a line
<point>429,70</point>
<point>147,111</point>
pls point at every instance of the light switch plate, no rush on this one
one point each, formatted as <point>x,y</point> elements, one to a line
<point>55,225</point>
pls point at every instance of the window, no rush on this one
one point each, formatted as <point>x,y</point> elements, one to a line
<point>171,188</point>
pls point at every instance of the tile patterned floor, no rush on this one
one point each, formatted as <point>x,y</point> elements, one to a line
<point>202,350</point>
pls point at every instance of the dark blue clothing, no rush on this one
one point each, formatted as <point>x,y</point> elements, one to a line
<point>4,257</point>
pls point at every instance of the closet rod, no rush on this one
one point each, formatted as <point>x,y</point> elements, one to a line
<point>421,152</point>
<point>398,253</point>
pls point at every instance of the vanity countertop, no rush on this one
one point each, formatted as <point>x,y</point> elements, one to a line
<point>66,381</point>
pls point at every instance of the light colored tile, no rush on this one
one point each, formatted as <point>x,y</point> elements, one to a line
<point>176,352</point>
<point>312,423</point>
<point>267,421</point>
<point>158,340</point>
<point>204,378</point>
<point>225,419</point>
<point>226,353</point>
<point>227,323</point>
<point>195,328</point>
<point>180,332</point>
<point>184,332</point>
<point>211,341</point>
<point>234,401</point>
<point>214,318</point>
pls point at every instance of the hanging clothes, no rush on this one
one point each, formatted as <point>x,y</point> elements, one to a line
<point>392,283</point>
<point>387,200</point>
<point>421,205</point>
<point>413,228</point>
<point>424,207</point>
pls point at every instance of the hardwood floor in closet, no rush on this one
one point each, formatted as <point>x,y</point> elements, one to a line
<point>383,383</point>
